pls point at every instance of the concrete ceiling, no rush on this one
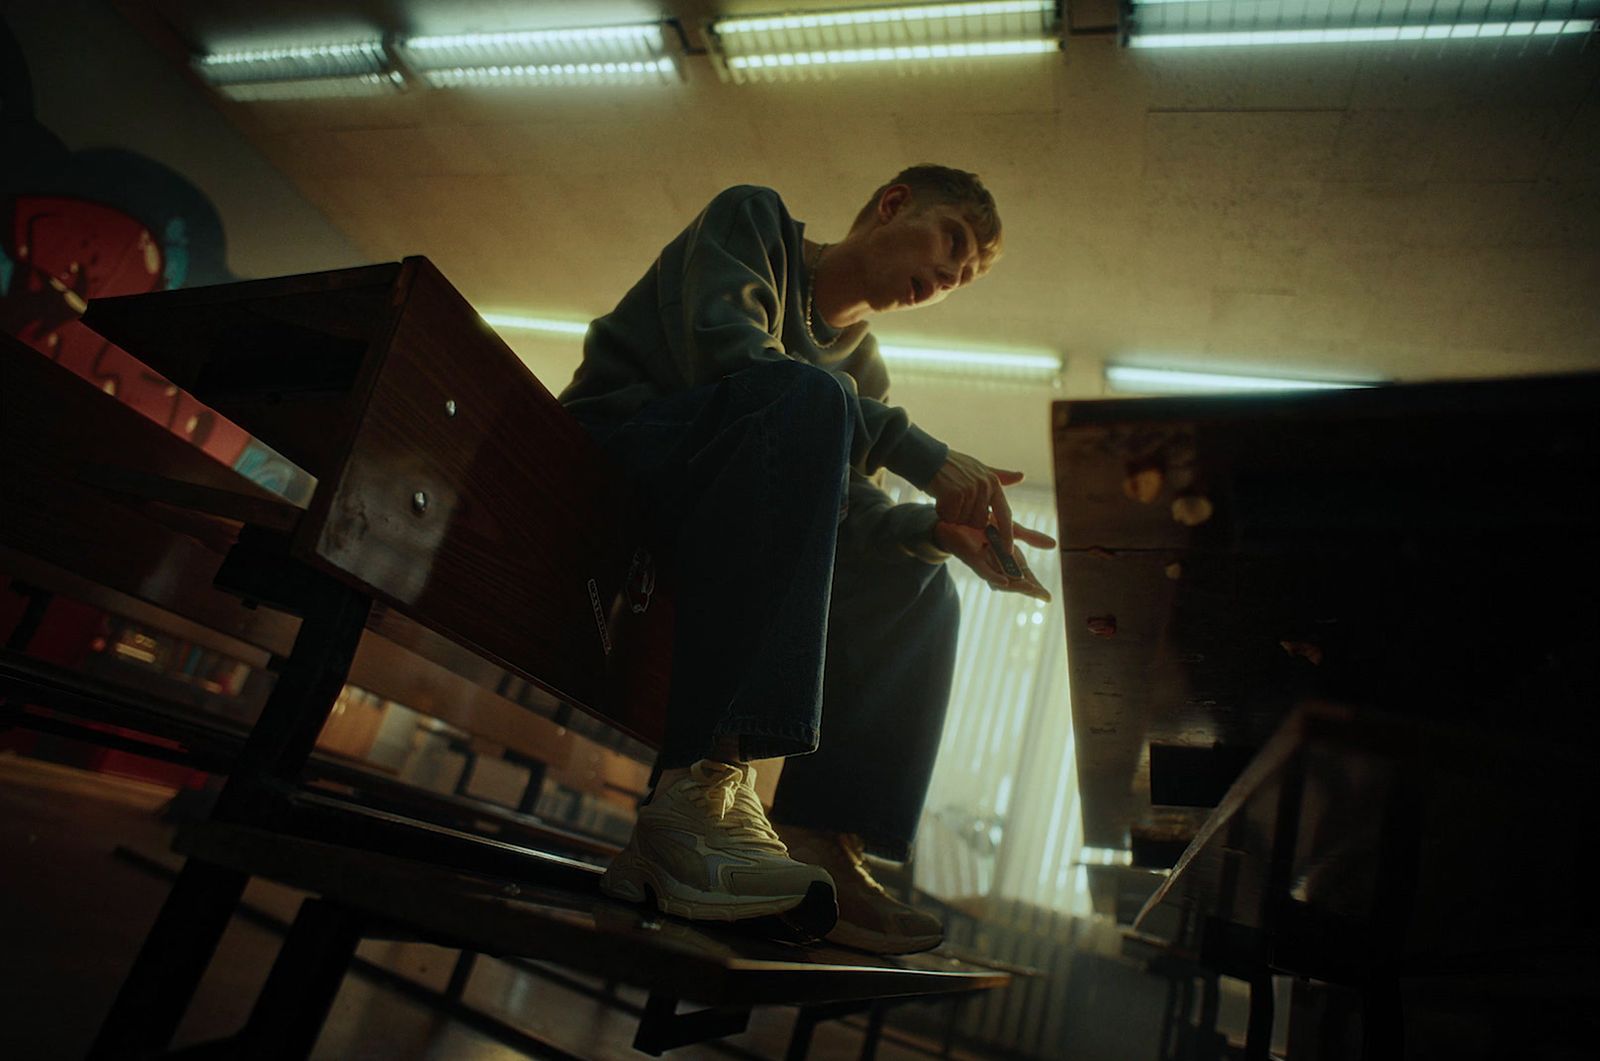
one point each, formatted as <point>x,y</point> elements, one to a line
<point>1380,211</point>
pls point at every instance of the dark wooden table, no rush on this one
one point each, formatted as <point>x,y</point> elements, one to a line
<point>1331,656</point>
<point>1420,549</point>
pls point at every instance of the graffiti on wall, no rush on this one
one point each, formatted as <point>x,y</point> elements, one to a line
<point>83,224</point>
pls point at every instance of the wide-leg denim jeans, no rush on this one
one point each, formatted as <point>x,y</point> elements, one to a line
<point>785,618</point>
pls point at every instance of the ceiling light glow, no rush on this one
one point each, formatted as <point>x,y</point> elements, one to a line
<point>1364,34</point>
<point>384,84</point>
<point>547,325</point>
<point>310,71</point>
<point>583,54</point>
<point>1133,379</point>
<point>987,364</point>
<point>572,73</point>
<point>647,33</point>
<point>904,53</point>
<point>869,16</point>
<point>777,47</point>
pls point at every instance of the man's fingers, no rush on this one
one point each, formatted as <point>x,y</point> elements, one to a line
<point>1029,536</point>
<point>976,511</point>
<point>1002,516</point>
<point>1007,478</point>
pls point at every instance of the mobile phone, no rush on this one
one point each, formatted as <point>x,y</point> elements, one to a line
<point>1007,561</point>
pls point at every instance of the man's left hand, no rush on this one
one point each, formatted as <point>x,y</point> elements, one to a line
<point>971,546</point>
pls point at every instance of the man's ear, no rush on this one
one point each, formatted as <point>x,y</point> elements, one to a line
<point>895,198</point>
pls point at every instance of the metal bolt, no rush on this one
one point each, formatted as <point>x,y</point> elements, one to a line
<point>450,407</point>
<point>419,502</point>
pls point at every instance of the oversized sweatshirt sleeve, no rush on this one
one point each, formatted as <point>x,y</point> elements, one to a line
<point>875,524</point>
<point>902,447</point>
<point>735,274</point>
<point>735,269</point>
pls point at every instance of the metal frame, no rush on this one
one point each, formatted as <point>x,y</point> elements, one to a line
<point>158,989</point>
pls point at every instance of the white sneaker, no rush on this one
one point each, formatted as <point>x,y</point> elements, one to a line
<point>703,849</point>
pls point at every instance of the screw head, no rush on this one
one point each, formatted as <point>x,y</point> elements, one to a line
<point>419,502</point>
<point>450,407</point>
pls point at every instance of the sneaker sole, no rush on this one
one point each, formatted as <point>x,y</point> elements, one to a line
<point>881,942</point>
<point>632,880</point>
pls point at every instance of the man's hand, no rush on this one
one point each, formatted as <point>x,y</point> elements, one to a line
<point>971,547</point>
<point>968,491</point>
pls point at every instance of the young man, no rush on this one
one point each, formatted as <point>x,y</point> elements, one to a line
<point>737,386</point>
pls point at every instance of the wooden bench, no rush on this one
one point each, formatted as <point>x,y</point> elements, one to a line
<point>458,512</point>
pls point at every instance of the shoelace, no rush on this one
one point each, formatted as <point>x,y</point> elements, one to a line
<point>856,848</point>
<point>729,791</point>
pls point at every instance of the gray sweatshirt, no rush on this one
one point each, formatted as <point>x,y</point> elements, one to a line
<point>729,293</point>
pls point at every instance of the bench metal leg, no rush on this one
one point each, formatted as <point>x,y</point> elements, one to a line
<point>800,1039</point>
<point>294,1003</point>
<point>663,1028</point>
<point>869,1046</point>
<point>460,974</point>
<point>808,1017</point>
<point>1258,1032</point>
<point>175,954</point>
<point>180,944</point>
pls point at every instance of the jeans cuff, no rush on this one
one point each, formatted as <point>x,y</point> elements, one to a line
<point>761,738</point>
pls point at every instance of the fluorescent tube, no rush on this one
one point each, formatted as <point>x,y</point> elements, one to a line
<point>995,364</point>
<point>547,325</point>
<point>1132,379</point>
<point>568,73</point>
<point>611,54</point>
<point>903,53</point>
<point>1363,34</point>
<point>879,15</point>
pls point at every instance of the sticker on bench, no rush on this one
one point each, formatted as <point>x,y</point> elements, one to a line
<point>599,616</point>
<point>641,581</point>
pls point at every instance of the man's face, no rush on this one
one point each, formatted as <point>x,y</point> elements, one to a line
<point>917,255</point>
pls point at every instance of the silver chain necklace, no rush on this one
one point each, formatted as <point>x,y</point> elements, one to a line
<point>811,290</point>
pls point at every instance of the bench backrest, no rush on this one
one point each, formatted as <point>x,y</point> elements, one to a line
<point>451,485</point>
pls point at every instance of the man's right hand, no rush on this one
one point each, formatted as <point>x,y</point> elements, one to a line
<point>967,491</point>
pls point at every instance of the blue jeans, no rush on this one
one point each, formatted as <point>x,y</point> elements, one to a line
<point>781,610</point>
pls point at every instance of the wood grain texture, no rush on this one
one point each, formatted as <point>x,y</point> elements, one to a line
<point>521,548</point>
<point>348,374</point>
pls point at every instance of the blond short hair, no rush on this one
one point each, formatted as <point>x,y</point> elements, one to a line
<point>940,185</point>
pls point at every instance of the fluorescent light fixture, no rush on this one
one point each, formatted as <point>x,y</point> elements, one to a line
<point>280,64</point>
<point>1366,34</point>
<point>986,364</point>
<point>903,53</point>
<point>315,88</point>
<point>609,54</point>
<point>311,71</point>
<point>879,15</point>
<point>547,325</point>
<point>1132,379</point>
<point>786,45</point>
<point>569,73</point>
